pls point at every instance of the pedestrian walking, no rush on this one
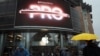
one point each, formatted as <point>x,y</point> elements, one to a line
<point>21,51</point>
<point>91,49</point>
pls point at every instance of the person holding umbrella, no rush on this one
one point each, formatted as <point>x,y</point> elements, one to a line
<point>91,49</point>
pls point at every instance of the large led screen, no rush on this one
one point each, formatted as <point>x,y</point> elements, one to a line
<point>49,13</point>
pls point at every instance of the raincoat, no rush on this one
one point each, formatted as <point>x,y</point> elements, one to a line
<point>19,52</point>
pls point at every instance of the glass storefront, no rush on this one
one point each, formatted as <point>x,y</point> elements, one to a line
<point>39,43</point>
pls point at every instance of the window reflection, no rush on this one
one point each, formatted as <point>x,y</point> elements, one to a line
<point>44,39</point>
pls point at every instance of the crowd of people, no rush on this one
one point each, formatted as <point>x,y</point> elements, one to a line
<point>91,49</point>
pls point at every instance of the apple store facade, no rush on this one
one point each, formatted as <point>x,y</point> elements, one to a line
<point>37,25</point>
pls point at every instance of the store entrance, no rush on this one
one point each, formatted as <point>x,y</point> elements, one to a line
<point>43,43</point>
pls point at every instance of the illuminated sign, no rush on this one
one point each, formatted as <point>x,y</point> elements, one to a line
<point>44,11</point>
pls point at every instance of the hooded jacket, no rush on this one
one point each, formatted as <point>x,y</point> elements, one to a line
<point>21,51</point>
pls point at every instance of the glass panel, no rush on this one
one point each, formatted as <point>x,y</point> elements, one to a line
<point>43,43</point>
<point>38,43</point>
<point>48,39</point>
<point>8,44</point>
<point>1,43</point>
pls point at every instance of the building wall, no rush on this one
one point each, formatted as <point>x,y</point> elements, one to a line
<point>75,19</point>
<point>79,9</point>
<point>7,13</point>
<point>8,8</point>
<point>90,26</point>
<point>85,19</point>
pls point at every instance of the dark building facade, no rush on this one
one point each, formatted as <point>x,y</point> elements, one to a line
<point>40,25</point>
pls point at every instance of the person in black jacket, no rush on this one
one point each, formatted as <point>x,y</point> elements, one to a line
<point>91,49</point>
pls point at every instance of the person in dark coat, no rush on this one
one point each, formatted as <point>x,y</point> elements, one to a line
<point>91,49</point>
<point>64,52</point>
<point>21,51</point>
<point>57,51</point>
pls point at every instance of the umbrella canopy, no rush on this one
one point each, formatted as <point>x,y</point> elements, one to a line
<point>84,36</point>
